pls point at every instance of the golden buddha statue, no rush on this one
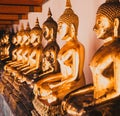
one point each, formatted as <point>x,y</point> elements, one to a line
<point>49,59</point>
<point>19,44</point>
<point>20,49</point>
<point>106,69</point>
<point>35,56</point>
<point>5,46</point>
<point>104,66</point>
<point>17,40</point>
<point>25,47</point>
<point>2,48</point>
<point>10,67</point>
<point>54,87</point>
<point>24,53</point>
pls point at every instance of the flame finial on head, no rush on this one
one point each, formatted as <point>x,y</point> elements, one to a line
<point>22,27</point>
<point>68,4</point>
<point>37,22</point>
<point>49,13</point>
<point>28,27</point>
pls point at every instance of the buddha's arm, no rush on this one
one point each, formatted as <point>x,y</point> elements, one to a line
<point>83,90</point>
<point>26,66</point>
<point>117,73</point>
<point>103,64</point>
<point>50,78</point>
<point>14,57</point>
<point>23,66</point>
<point>36,62</point>
<point>25,58</point>
<point>19,56</point>
<point>82,58</point>
<point>10,62</point>
<point>25,63</point>
<point>55,62</point>
<point>31,61</point>
<point>65,60</point>
<point>75,68</point>
<point>7,49</point>
<point>47,72</point>
<point>116,80</point>
<point>38,59</point>
<point>66,55</point>
<point>116,85</point>
<point>30,69</point>
<point>17,63</point>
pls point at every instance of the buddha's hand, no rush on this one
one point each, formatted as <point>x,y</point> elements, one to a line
<point>56,84</point>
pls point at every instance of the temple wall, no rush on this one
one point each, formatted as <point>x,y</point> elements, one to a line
<point>86,11</point>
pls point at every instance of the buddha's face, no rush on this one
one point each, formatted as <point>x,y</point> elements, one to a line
<point>62,29</point>
<point>19,39</point>
<point>14,40</point>
<point>6,38</point>
<point>103,27</point>
<point>46,32</point>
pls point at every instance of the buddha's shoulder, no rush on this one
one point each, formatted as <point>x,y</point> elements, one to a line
<point>115,46</point>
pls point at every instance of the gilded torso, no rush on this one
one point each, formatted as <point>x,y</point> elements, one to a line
<point>50,57</point>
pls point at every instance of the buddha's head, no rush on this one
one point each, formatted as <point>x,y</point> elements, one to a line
<point>68,23</point>
<point>36,33</point>
<point>20,35</point>
<point>6,36</point>
<point>107,20</point>
<point>50,27</point>
<point>26,35</point>
<point>14,39</point>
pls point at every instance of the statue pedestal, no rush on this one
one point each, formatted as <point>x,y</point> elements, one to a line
<point>4,108</point>
<point>45,109</point>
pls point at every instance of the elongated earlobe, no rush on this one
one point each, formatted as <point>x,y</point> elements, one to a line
<point>51,32</point>
<point>116,27</point>
<point>72,31</point>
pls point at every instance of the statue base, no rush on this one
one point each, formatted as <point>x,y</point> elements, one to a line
<point>80,105</point>
<point>45,109</point>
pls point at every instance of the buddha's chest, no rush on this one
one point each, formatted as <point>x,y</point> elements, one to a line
<point>104,54</point>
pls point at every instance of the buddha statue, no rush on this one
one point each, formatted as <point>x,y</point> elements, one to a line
<point>2,48</point>
<point>49,59</point>
<point>54,87</point>
<point>25,47</point>
<point>5,46</point>
<point>24,53</point>
<point>19,48</point>
<point>10,67</point>
<point>17,42</point>
<point>104,66</point>
<point>16,45</point>
<point>35,56</point>
<point>106,69</point>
